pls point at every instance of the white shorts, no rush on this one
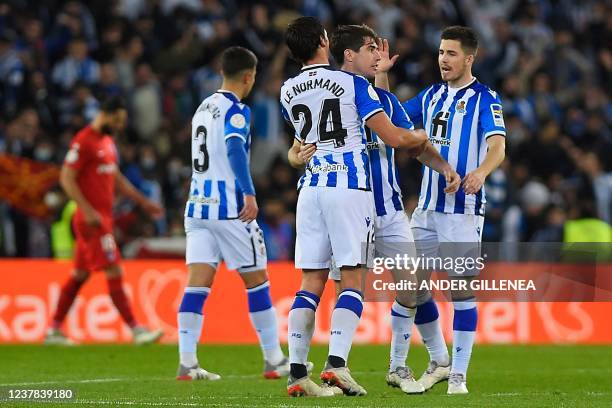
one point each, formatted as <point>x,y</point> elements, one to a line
<point>333,221</point>
<point>431,228</point>
<point>393,236</point>
<point>240,245</point>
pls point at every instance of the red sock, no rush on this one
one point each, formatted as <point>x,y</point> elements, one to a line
<point>117,294</point>
<point>67,296</point>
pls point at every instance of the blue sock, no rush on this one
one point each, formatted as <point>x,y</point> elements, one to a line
<point>465,321</point>
<point>345,319</point>
<point>190,319</point>
<point>263,318</point>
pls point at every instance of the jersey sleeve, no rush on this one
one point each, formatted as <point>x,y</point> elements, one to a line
<point>79,154</point>
<point>366,99</point>
<point>238,122</point>
<point>491,115</point>
<point>414,108</point>
<point>399,117</point>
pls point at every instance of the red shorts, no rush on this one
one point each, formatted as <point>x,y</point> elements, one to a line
<point>95,246</point>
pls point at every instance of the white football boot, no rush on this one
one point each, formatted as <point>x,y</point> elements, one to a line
<point>434,374</point>
<point>305,387</point>
<point>195,373</point>
<point>403,378</point>
<point>341,377</point>
<point>457,384</point>
<point>57,337</point>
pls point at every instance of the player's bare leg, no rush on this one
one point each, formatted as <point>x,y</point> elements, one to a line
<point>190,320</point>
<point>301,323</point>
<point>345,319</point>
<point>67,296</point>
<point>141,335</point>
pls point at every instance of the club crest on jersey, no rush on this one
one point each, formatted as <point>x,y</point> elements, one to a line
<point>460,107</point>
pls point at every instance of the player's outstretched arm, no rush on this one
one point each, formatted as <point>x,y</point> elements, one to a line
<point>299,153</point>
<point>496,152</point>
<point>126,188</point>
<point>433,159</point>
<point>68,181</point>
<point>414,140</point>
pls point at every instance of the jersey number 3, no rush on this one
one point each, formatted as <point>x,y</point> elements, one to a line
<point>200,163</point>
<point>330,117</point>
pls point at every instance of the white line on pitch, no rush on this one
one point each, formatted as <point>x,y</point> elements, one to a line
<point>93,380</point>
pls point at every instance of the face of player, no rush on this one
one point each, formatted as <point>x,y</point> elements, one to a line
<point>365,61</point>
<point>453,61</point>
<point>114,122</point>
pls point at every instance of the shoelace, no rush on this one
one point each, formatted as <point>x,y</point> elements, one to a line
<point>455,378</point>
<point>404,373</point>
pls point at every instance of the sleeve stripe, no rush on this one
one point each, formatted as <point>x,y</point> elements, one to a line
<point>374,112</point>
<point>235,135</point>
<point>495,133</point>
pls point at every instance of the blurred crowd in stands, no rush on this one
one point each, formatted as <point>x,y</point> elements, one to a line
<point>550,60</point>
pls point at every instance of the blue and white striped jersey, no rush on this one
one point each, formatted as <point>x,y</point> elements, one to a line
<point>214,192</point>
<point>384,174</point>
<point>329,108</point>
<point>457,121</point>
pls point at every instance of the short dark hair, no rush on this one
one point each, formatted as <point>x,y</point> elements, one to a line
<point>303,37</point>
<point>350,37</point>
<point>236,59</point>
<point>465,35</point>
<point>112,104</point>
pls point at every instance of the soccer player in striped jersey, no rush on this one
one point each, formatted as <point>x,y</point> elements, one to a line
<point>220,218</point>
<point>335,210</point>
<point>463,120</point>
<point>393,237</point>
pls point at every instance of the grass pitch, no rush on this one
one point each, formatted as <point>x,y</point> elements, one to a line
<point>125,375</point>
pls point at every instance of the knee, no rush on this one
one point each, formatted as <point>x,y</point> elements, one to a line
<point>253,279</point>
<point>113,271</point>
<point>422,297</point>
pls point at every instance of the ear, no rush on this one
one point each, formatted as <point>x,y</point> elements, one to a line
<point>348,55</point>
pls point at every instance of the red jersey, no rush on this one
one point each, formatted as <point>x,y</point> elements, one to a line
<point>94,156</point>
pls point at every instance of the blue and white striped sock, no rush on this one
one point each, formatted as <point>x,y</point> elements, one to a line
<point>344,322</point>
<point>263,318</point>
<point>465,321</point>
<point>190,320</point>
<point>300,326</point>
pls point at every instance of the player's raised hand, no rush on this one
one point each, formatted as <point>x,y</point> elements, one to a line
<point>473,181</point>
<point>453,180</point>
<point>250,209</point>
<point>386,62</point>
<point>306,152</point>
<point>153,209</point>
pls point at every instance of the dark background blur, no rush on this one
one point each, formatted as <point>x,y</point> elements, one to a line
<point>550,61</point>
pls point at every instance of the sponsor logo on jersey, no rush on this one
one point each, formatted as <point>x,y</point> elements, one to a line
<point>373,146</point>
<point>327,168</point>
<point>108,168</point>
<point>204,200</point>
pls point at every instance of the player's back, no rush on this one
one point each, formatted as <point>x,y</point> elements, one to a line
<point>328,108</point>
<point>214,191</point>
